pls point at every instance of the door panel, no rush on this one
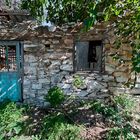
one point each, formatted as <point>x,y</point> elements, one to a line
<point>10,71</point>
<point>10,86</point>
<point>82,55</point>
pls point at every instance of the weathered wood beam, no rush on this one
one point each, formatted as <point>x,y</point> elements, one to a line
<point>14,14</point>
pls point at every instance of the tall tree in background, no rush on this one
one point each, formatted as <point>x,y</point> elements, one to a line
<point>124,17</point>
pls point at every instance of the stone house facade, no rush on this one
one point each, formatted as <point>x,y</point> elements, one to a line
<point>58,57</point>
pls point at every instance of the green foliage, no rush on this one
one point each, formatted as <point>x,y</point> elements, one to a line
<point>124,133</point>
<point>78,82</point>
<point>65,132</point>
<point>60,126</point>
<point>118,111</point>
<point>35,7</point>
<point>55,96</point>
<point>124,16</point>
<point>124,101</point>
<point>10,120</point>
<point>56,127</point>
<point>106,110</point>
<point>64,11</point>
<point>36,137</point>
<point>50,120</point>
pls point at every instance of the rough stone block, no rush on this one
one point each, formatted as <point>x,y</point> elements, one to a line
<point>57,62</point>
<point>56,78</point>
<point>30,70</point>
<point>137,85</point>
<point>138,78</point>
<point>66,86</point>
<point>37,86</point>
<point>68,42</point>
<point>26,82</point>
<point>32,95</point>
<point>110,69</point>
<point>67,62</point>
<point>55,41</point>
<point>82,93</point>
<point>44,80</point>
<point>121,79</point>
<point>66,68</point>
<point>30,58</point>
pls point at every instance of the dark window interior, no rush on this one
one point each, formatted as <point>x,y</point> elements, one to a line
<point>88,56</point>
<point>7,58</point>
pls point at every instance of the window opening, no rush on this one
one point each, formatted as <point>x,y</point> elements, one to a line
<point>8,58</point>
<point>88,56</point>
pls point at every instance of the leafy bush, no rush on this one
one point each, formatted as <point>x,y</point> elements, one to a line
<point>55,96</point>
<point>10,120</point>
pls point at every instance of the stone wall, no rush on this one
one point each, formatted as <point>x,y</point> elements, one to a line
<point>48,61</point>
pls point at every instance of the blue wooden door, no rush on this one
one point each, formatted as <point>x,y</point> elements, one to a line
<point>10,71</point>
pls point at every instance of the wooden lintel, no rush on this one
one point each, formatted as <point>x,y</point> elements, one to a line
<point>14,14</point>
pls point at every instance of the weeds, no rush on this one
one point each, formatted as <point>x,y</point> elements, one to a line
<point>124,133</point>
<point>78,82</point>
<point>10,120</point>
<point>57,127</point>
<point>62,125</point>
<point>119,112</point>
<point>65,131</point>
<point>55,96</point>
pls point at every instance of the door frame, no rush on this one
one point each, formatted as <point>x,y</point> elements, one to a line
<point>20,64</point>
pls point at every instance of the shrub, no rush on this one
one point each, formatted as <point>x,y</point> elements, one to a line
<point>55,96</point>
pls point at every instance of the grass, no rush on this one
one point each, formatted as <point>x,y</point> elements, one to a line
<point>10,120</point>
<point>16,125</point>
<point>31,123</point>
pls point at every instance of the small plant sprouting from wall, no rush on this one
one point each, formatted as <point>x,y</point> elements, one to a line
<point>78,82</point>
